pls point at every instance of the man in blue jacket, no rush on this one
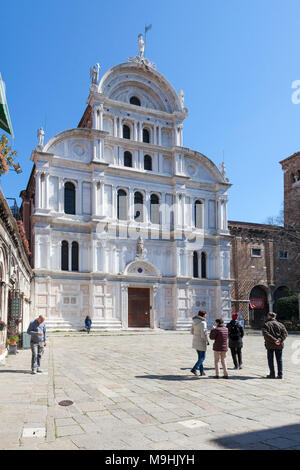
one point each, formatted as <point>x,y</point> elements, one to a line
<point>37,331</point>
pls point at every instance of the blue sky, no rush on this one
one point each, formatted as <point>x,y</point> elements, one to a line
<point>234,59</point>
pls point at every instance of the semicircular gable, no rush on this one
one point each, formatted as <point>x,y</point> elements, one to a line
<point>74,144</point>
<point>156,92</point>
<point>200,167</point>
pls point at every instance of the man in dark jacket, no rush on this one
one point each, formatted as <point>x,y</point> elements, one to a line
<point>274,334</point>
<point>236,333</point>
<point>37,331</point>
<point>220,334</point>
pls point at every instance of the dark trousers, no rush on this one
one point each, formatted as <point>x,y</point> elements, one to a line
<point>236,356</point>
<point>199,363</point>
<point>278,355</point>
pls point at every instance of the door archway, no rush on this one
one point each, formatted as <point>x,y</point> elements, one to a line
<point>258,306</point>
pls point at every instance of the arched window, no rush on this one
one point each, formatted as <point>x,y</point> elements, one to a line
<point>154,209</point>
<point>203,266</point>
<point>195,264</point>
<point>122,205</point>
<point>147,163</point>
<point>75,256</point>
<point>126,132</point>
<point>146,136</point>
<point>134,100</point>
<point>65,256</point>
<point>138,207</point>
<point>70,194</point>
<point>198,214</point>
<point>128,159</point>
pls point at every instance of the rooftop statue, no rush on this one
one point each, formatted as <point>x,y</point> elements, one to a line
<point>141,45</point>
<point>140,59</point>
<point>41,137</point>
<point>94,74</point>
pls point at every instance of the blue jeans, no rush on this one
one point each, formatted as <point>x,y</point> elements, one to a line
<point>199,363</point>
<point>37,350</point>
<point>278,355</point>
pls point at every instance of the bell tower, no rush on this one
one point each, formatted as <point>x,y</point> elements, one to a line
<point>291,169</point>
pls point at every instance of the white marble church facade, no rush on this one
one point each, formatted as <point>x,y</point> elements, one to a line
<point>128,225</point>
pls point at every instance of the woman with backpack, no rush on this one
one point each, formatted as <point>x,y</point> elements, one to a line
<point>236,333</point>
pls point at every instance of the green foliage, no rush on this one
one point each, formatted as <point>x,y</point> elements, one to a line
<point>12,339</point>
<point>7,155</point>
<point>287,307</point>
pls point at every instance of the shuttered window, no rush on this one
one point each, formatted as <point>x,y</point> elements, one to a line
<point>198,214</point>
<point>122,205</point>
<point>138,207</point>
<point>154,209</point>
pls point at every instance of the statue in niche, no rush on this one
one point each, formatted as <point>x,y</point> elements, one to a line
<point>140,249</point>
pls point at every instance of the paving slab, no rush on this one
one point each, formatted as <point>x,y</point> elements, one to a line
<point>134,391</point>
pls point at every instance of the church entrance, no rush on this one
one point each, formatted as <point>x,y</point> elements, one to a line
<point>138,307</point>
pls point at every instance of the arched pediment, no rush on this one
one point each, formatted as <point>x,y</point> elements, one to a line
<point>123,81</point>
<point>141,268</point>
<point>73,144</point>
<point>201,168</point>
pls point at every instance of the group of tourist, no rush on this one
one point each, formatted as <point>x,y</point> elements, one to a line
<point>223,336</point>
<point>231,336</point>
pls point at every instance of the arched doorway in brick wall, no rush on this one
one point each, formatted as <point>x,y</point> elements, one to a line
<point>258,306</point>
<point>279,292</point>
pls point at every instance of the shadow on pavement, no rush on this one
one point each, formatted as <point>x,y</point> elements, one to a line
<point>168,377</point>
<point>10,371</point>
<point>282,437</point>
<point>192,377</point>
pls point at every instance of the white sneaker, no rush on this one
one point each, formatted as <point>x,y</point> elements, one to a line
<point>33,371</point>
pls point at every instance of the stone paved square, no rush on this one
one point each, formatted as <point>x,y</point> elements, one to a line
<point>134,390</point>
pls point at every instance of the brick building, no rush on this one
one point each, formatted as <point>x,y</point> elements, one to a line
<point>265,259</point>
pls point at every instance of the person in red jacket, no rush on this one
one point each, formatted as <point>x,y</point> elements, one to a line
<point>220,334</point>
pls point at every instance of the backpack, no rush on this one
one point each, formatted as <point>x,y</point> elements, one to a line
<point>234,332</point>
